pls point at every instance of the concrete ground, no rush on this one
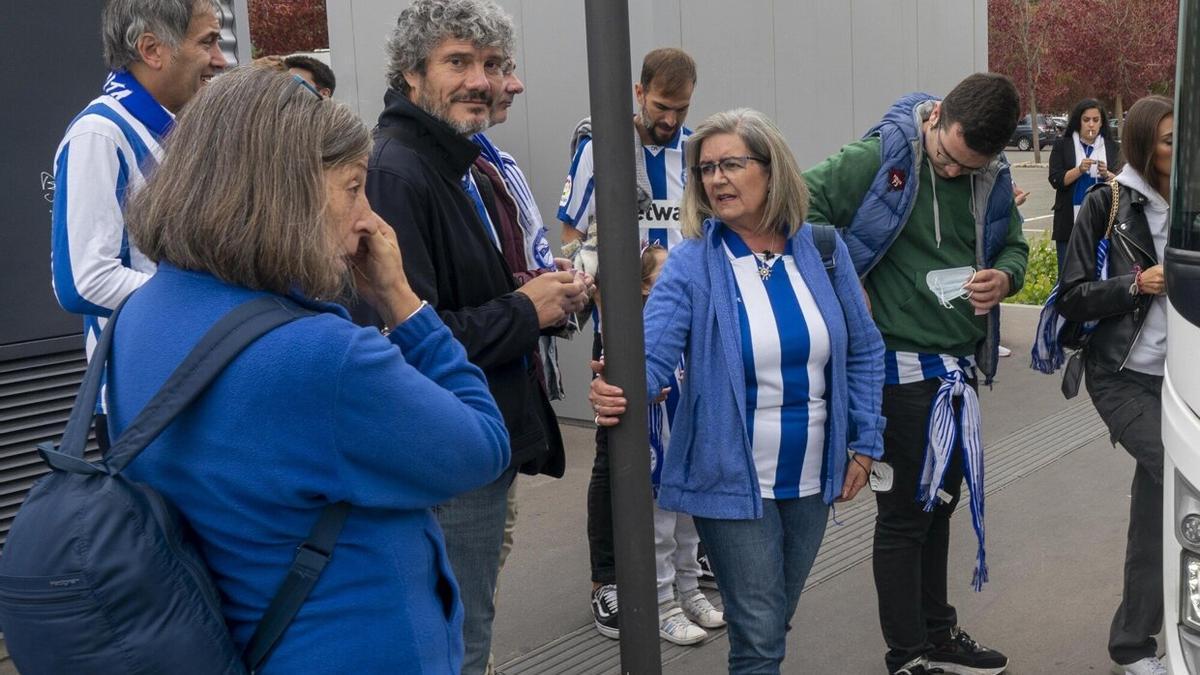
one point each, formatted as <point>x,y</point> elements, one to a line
<point>1055,548</point>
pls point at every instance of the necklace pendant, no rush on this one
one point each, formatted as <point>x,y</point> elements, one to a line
<point>764,272</point>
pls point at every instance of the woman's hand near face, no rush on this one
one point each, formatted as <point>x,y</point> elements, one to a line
<point>858,470</point>
<point>379,271</point>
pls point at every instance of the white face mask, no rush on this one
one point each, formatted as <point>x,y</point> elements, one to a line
<point>948,284</point>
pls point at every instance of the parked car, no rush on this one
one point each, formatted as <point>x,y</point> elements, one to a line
<point>1048,133</point>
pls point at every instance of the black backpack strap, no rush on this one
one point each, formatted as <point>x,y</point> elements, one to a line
<point>83,412</point>
<point>220,345</point>
<point>825,238</point>
<point>311,558</point>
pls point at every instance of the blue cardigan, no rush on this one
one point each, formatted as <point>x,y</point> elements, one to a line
<point>709,467</point>
<point>318,410</point>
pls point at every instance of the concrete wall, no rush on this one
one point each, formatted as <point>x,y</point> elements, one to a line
<point>824,70</point>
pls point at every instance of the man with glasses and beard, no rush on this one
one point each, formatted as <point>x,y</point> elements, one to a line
<point>446,66</point>
<point>925,203</point>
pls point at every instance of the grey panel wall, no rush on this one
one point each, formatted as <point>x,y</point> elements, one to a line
<point>823,69</point>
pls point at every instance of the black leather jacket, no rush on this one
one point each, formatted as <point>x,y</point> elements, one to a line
<point>1083,298</point>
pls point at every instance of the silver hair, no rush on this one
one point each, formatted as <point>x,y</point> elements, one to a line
<point>124,21</point>
<point>786,204</point>
<point>425,23</point>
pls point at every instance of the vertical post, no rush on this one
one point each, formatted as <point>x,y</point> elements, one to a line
<point>610,82</point>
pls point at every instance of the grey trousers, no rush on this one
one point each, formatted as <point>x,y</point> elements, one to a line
<point>1130,403</point>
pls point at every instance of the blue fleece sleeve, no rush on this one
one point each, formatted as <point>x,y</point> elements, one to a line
<point>864,361</point>
<point>414,422</point>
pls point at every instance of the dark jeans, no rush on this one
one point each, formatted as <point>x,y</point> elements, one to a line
<point>911,544</point>
<point>599,504</point>
<point>1060,249</point>
<point>761,565</point>
<point>1130,403</point>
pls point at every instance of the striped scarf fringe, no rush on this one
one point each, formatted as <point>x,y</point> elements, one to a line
<point>1047,355</point>
<point>945,431</point>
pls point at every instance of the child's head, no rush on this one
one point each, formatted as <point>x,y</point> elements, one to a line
<point>653,257</point>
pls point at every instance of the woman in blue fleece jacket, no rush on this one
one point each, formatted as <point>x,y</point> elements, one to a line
<point>783,377</point>
<point>316,411</point>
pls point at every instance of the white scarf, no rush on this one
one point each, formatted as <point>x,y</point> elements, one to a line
<point>1098,154</point>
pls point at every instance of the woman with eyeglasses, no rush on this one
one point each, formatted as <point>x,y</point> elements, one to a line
<point>261,195</point>
<point>778,416</point>
<point>1124,354</point>
<point>1083,156</point>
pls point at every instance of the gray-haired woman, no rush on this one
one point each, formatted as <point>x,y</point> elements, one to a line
<point>782,378</point>
<point>261,193</point>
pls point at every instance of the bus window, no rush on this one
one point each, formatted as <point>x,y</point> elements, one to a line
<point>1182,260</point>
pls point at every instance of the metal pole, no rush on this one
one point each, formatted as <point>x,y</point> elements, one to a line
<point>609,81</point>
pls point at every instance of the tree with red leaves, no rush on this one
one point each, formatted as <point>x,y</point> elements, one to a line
<point>287,26</point>
<point>1019,36</point>
<point>1135,54</point>
<point>1059,51</point>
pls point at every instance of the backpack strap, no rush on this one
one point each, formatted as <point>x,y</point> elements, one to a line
<point>220,345</point>
<point>311,558</point>
<point>228,337</point>
<point>83,411</point>
<point>216,349</point>
<point>825,238</point>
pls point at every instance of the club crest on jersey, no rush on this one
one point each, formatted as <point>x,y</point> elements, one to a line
<point>566,196</point>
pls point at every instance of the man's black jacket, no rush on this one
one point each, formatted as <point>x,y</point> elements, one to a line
<point>414,182</point>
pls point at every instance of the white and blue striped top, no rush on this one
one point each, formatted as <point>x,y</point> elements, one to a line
<point>785,354</point>
<point>537,247</point>
<point>909,367</point>
<point>667,172</point>
<point>105,156</point>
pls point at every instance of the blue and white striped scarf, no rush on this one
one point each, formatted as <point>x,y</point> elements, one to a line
<point>947,430</point>
<point>1047,355</point>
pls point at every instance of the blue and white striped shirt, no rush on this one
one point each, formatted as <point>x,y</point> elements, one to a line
<point>537,247</point>
<point>785,354</point>
<point>909,367</point>
<point>105,156</point>
<point>667,171</point>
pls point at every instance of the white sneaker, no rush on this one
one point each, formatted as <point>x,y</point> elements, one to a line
<point>1003,351</point>
<point>1151,665</point>
<point>674,626</point>
<point>697,608</point>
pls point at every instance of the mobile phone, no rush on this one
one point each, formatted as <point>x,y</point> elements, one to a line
<point>881,476</point>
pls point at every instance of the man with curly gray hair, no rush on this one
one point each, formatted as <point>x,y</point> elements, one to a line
<point>464,252</point>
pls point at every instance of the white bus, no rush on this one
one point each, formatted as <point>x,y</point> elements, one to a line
<point>1181,386</point>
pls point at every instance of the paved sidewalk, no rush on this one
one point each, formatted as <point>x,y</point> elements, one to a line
<point>1055,549</point>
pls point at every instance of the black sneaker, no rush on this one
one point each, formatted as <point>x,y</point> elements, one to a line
<point>960,654</point>
<point>707,580</point>
<point>604,611</point>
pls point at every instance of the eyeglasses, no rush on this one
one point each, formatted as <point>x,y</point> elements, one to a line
<point>730,166</point>
<point>944,159</point>
<point>298,82</point>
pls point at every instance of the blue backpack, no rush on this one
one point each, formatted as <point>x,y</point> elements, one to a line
<point>99,573</point>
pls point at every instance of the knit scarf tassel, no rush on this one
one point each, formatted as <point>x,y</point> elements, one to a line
<point>945,430</point>
<point>1047,355</point>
